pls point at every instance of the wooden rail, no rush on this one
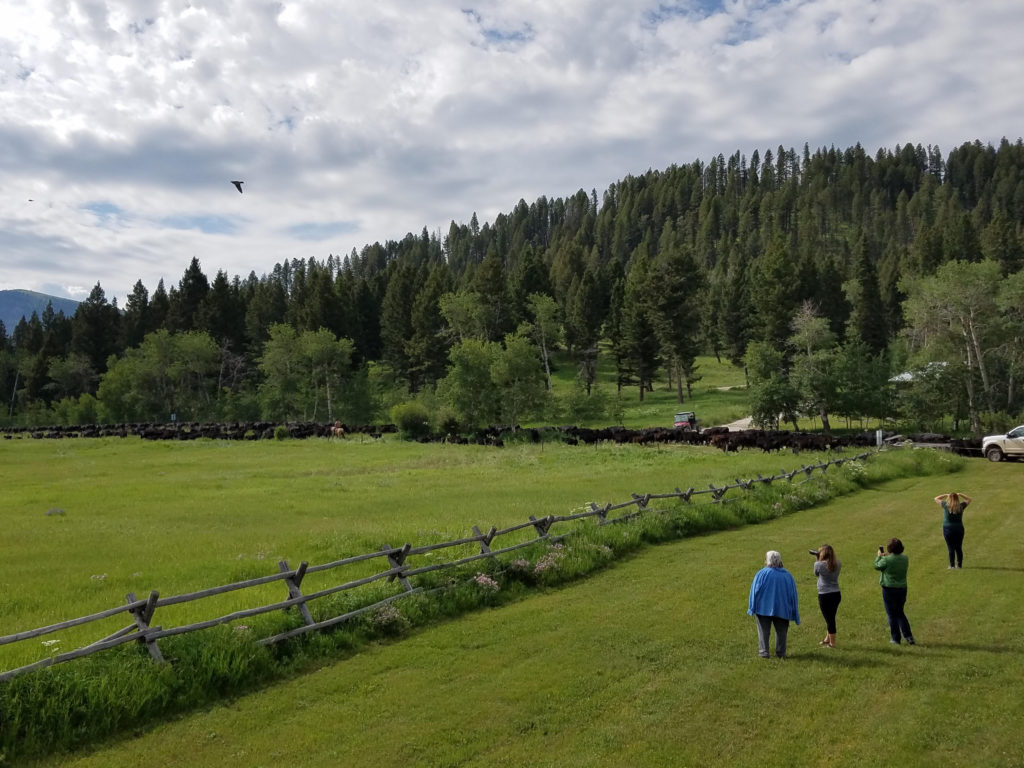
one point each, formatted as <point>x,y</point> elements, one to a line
<point>399,569</point>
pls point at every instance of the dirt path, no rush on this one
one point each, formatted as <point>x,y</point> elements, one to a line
<point>741,424</point>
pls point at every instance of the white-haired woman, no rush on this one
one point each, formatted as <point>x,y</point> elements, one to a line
<point>773,602</point>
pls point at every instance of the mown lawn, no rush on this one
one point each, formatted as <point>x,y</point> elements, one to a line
<point>653,662</point>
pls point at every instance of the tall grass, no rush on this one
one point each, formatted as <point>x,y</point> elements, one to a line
<point>69,705</point>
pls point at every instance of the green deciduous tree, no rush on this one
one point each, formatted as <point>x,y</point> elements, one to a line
<point>166,374</point>
<point>463,312</point>
<point>302,373</point>
<point>772,396</point>
<point>519,379</point>
<point>468,388</point>
<point>546,327</point>
<point>813,364</point>
<point>953,316</point>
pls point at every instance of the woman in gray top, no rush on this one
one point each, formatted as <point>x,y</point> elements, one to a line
<point>826,568</point>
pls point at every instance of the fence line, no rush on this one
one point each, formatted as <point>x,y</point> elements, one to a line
<point>142,610</point>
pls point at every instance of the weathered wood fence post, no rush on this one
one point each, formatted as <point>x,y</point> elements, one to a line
<point>293,582</point>
<point>142,618</point>
<point>396,558</point>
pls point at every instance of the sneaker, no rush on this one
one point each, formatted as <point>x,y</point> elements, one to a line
<point>894,642</point>
<point>910,641</point>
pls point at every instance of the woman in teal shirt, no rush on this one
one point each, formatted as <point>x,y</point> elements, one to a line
<point>893,579</point>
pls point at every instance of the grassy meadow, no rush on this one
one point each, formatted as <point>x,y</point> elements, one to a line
<point>653,662</point>
<point>634,659</point>
<point>182,516</point>
<point>719,397</point>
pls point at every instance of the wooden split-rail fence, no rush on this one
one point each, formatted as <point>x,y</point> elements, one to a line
<point>142,610</point>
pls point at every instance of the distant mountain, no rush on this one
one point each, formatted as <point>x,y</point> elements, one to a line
<point>15,305</point>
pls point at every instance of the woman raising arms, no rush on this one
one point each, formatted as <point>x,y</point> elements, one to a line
<point>953,505</point>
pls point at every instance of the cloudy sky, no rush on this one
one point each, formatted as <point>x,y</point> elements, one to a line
<point>123,122</point>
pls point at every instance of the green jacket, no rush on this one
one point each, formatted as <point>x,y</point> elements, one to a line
<point>894,570</point>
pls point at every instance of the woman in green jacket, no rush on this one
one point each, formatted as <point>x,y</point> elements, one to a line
<point>893,579</point>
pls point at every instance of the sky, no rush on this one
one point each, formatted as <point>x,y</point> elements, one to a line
<point>122,123</point>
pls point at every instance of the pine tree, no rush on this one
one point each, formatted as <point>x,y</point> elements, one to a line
<point>427,347</point>
<point>396,320</point>
<point>641,351</point>
<point>867,319</point>
<point>95,329</point>
<point>184,303</point>
<point>773,292</point>
<point>136,319</point>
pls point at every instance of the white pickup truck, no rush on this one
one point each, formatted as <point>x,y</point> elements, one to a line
<point>1010,445</point>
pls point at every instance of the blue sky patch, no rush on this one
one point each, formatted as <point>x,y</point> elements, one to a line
<point>209,225</point>
<point>315,231</point>
<point>698,9</point>
<point>501,37</point>
<point>104,211</point>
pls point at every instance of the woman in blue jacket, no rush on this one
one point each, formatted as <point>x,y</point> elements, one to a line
<point>773,602</point>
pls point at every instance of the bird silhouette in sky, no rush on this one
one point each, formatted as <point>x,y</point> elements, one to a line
<point>238,185</point>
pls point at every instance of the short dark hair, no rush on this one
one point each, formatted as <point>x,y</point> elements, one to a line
<point>895,546</point>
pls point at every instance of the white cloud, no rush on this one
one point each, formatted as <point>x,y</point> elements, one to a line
<point>352,122</point>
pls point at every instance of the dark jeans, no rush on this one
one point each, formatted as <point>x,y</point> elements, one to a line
<point>829,604</point>
<point>955,544</point>
<point>894,599</point>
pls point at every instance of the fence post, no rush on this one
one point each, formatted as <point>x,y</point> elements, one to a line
<point>396,557</point>
<point>642,501</point>
<point>293,583</point>
<point>142,618</point>
<point>485,541</point>
<point>717,493</point>
<point>541,525</point>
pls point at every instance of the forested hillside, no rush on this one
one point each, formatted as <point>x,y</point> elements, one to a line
<point>15,305</point>
<point>824,272</point>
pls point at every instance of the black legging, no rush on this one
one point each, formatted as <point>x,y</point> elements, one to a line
<point>955,545</point>
<point>829,604</point>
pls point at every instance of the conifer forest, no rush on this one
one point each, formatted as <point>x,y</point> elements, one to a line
<point>885,286</point>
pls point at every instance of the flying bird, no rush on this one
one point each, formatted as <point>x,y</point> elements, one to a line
<point>238,185</point>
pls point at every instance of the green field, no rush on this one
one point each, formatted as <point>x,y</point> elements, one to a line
<point>178,517</point>
<point>651,662</point>
<point>719,397</point>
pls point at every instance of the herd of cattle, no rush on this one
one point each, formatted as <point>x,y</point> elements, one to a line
<point>718,437</point>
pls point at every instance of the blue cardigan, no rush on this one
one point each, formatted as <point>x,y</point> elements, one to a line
<point>773,593</point>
